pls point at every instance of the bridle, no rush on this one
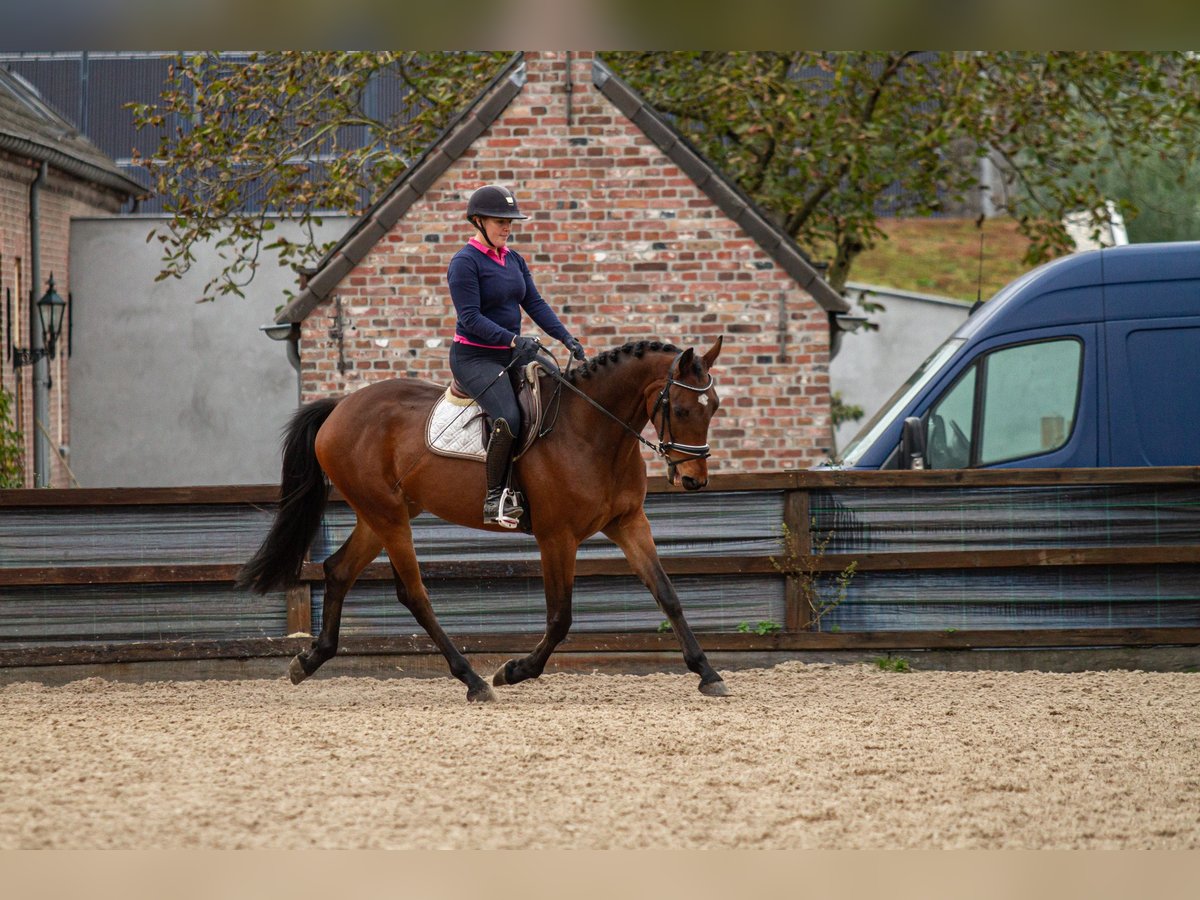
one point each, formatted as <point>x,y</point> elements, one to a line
<point>664,447</point>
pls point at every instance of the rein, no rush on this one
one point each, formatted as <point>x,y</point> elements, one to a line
<point>664,447</point>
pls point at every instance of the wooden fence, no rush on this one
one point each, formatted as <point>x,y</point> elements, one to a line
<point>928,560</point>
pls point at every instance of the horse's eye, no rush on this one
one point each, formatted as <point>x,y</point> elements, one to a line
<point>679,411</point>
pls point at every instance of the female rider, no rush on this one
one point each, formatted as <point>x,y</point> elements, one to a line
<point>490,284</point>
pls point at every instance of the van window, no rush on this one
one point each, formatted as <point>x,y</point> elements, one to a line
<point>948,439</point>
<point>887,414</point>
<point>1012,403</point>
<point>1029,400</point>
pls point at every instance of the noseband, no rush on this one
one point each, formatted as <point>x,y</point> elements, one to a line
<point>666,446</point>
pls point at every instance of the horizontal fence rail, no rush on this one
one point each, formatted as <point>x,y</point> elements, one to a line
<point>792,560</point>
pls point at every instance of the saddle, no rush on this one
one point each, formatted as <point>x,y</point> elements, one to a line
<point>458,426</point>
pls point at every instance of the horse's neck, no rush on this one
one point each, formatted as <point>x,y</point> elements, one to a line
<point>621,387</point>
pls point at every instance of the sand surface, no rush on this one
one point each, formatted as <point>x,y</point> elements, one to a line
<point>801,756</point>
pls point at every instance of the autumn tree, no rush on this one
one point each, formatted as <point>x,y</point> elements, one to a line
<point>290,134</point>
<point>827,143</point>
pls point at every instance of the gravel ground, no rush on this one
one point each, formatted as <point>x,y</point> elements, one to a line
<point>800,756</point>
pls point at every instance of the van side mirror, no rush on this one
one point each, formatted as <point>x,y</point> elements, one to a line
<point>912,444</point>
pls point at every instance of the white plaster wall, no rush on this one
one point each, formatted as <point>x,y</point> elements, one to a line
<point>871,364</point>
<point>166,391</point>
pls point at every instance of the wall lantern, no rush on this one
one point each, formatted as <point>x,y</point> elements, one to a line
<point>50,309</point>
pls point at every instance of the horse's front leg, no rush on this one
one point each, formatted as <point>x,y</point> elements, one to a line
<point>558,573</point>
<point>632,534</point>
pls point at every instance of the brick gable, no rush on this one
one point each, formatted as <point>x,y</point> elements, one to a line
<point>621,242</point>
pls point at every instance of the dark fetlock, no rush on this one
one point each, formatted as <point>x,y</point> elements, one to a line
<point>305,663</point>
<point>481,693</point>
<point>506,674</point>
<point>301,667</point>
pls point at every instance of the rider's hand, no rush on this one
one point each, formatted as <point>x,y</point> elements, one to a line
<point>576,348</point>
<point>525,348</point>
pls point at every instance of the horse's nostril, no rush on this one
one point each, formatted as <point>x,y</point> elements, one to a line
<point>693,484</point>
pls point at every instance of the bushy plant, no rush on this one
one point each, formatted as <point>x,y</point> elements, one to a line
<point>762,628</point>
<point>822,591</point>
<point>12,468</point>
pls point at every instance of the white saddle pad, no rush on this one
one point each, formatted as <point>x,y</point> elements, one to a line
<point>455,428</point>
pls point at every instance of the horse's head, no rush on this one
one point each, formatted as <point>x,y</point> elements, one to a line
<point>681,410</point>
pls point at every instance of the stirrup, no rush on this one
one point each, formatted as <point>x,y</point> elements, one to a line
<point>509,515</point>
<point>508,510</point>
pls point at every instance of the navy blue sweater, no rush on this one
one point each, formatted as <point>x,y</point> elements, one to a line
<point>489,297</point>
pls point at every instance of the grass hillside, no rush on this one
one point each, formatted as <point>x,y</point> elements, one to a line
<point>941,256</point>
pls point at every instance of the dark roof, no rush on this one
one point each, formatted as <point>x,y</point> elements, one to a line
<point>30,128</point>
<point>472,122</point>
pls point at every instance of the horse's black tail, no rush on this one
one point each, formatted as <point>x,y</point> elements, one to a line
<point>303,492</point>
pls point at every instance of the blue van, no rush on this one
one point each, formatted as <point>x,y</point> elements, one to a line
<point>1089,360</point>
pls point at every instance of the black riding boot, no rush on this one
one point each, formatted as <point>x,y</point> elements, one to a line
<point>498,458</point>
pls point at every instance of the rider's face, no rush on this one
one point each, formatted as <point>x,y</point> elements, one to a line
<point>497,230</point>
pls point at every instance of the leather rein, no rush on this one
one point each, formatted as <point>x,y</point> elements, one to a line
<point>664,447</point>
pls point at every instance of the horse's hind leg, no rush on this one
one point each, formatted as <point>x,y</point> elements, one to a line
<point>558,572</point>
<point>341,571</point>
<point>632,535</point>
<point>410,590</point>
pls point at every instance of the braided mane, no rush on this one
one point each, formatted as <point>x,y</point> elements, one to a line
<point>636,350</point>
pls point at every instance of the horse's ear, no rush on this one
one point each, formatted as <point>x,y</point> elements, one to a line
<point>687,359</point>
<point>710,356</point>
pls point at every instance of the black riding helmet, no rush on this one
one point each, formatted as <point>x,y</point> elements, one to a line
<point>493,201</point>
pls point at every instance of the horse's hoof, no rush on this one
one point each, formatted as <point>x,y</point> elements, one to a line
<point>481,694</point>
<point>296,671</point>
<point>714,689</point>
<point>501,677</point>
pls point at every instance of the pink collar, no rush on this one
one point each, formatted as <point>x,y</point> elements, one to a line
<point>488,251</point>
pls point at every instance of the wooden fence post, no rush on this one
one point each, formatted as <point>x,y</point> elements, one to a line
<point>299,609</point>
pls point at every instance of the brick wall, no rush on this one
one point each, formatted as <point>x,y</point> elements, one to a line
<point>61,198</point>
<point>622,244</point>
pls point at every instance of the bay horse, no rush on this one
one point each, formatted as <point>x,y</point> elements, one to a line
<point>587,475</point>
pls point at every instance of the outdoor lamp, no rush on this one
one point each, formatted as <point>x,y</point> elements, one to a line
<point>50,309</point>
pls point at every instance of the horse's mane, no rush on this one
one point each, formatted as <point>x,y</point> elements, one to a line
<point>636,350</point>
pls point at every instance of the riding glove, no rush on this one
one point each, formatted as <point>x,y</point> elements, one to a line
<point>525,348</point>
<point>576,348</point>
